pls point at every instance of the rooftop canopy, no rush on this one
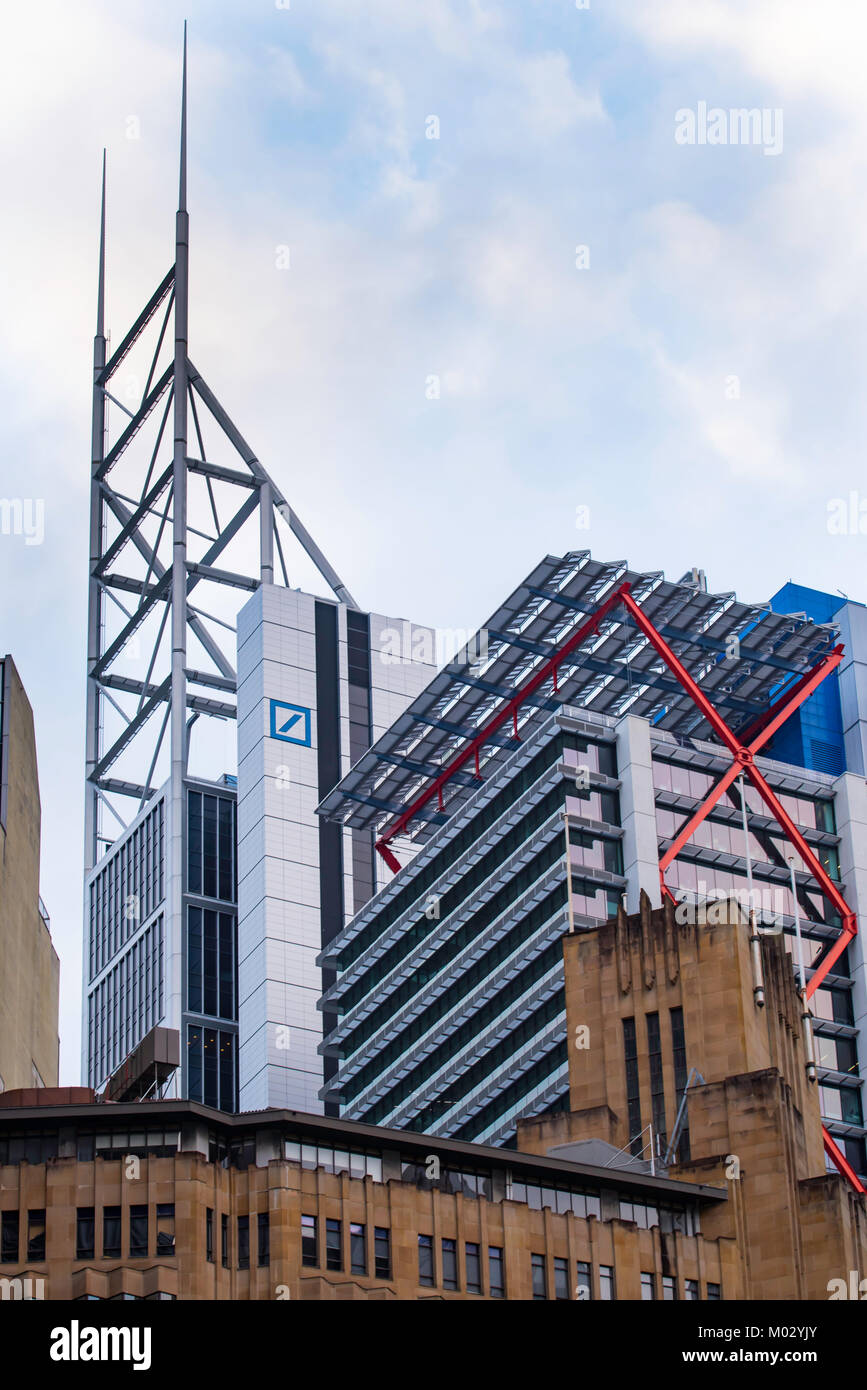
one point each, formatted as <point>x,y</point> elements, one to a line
<point>742,655</point>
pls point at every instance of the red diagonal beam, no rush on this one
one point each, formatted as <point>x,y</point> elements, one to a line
<point>742,753</point>
<point>506,712</point>
<point>841,1161</point>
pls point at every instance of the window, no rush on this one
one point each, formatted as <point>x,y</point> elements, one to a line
<point>209,1234</point>
<point>138,1233</point>
<point>559,1199</point>
<point>111,1233</point>
<point>584,1285</point>
<point>333,1255</point>
<point>9,1238</point>
<point>450,1264</point>
<point>669,1289</point>
<point>633,1101</point>
<point>357,1165</point>
<point>309,1241</point>
<point>561,1278</point>
<point>165,1229</point>
<point>425,1260</point>
<point>224,1240</point>
<point>468,1181</point>
<point>657,1089</point>
<point>83,1233</point>
<point>473,1267</point>
<point>36,1234</point>
<point>690,1290</point>
<point>496,1279</point>
<point>714,1291</point>
<point>382,1252</point>
<point>264,1226</point>
<point>243,1242</point>
<point>678,1044</point>
<point>540,1276</point>
<point>357,1250</point>
<point>606,1282</point>
<point>648,1287</point>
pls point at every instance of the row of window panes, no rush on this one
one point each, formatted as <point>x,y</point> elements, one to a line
<point>127,891</point>
<point>469,1182</point>
<point>689,781</point>
<point>357,1165</point>
<point>139,1245</point>
<point>125,1004</point>
<point>651,1285</point>
<point>449,1272</point>
<point>242,1238</point>
<point>563,1289</point>
<point>311,1254</point>
<point>10,1236</point>
<point>667,1218</point>
<point>559,1199</point>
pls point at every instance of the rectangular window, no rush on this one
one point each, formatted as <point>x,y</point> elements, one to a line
<point>309,1241</point>
<point>657,1087</point>
<point>224,1240</point>
<point>425,1261</point>
<point>606,1283</point>
<point>84,1223</point>
<point>714,1291</point>
<point>357,1250</point>
<point>36,1234</point>
<point>333,1255</point>
<point>678,1044</point>
<point>496,1272</point>
<point>264,1226</point>
<point>138,1233</point>
<point>690,1290</point>
<point>382,1252</point>
<point>540,1276</point>
<point>584,1284</point>
<point>450,1264</point>
<point>633,1101</point>
<point>669,1289</point>
<point>111,1233</point>
<point>9,1238</point>
<point>243,1242</point>
<point>166,1229</point>
<point>648,1287</point>
<point>561,1278</point>
<point>473,1267</point>
<point>209,1234</point>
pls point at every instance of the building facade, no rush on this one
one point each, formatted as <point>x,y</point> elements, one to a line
<point>173,1200</point>
<point>29,967</point>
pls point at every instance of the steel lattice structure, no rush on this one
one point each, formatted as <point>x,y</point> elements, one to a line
<point>176,533</point>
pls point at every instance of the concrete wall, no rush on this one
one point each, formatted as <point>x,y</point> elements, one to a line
<point>29,967</point>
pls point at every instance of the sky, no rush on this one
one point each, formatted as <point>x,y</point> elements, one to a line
<point>522,313</point>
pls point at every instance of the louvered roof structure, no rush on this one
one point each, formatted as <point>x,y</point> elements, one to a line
<point>741,655</point>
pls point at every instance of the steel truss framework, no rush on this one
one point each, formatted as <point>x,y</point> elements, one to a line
<point>148,555</point>
<point>743,748</point>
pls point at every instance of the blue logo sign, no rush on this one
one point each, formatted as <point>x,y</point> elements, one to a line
<point>291,723</point>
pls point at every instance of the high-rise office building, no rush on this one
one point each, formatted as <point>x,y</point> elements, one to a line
<point>186,525</point>
<point>540,791</point>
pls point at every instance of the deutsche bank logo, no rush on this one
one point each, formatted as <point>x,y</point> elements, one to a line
<point>291,723</point>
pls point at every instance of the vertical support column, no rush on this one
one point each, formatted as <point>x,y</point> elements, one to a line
<point>637,811</point>
<point>176,809</point>
<point>94,623</point>
<point>852,619</point>
<point>266,533</point>
<point>850,806</point>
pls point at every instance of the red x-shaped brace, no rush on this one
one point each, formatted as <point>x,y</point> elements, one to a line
<point>743,749</point>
